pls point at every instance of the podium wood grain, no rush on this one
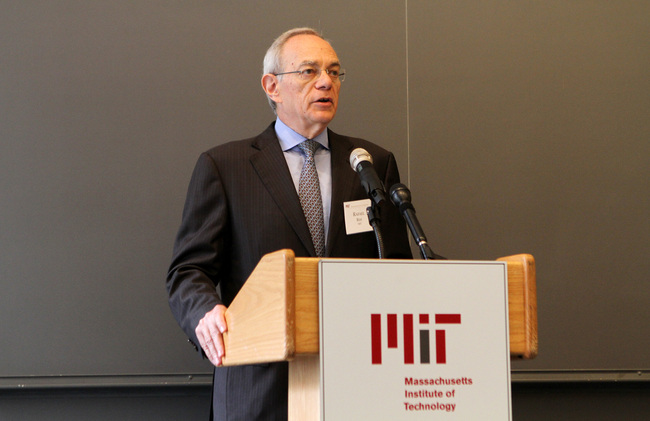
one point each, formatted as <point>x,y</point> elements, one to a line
<point>261,317</point>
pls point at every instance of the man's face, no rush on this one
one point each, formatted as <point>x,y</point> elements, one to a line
<point>307,106</point>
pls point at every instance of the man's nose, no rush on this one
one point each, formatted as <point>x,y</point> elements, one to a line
<point>324,80</point>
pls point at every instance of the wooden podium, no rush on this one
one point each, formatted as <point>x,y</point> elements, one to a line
<point>275,317</point>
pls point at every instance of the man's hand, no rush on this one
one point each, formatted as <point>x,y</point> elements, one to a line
<point>209,332</point>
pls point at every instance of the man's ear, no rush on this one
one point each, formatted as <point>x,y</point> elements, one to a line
<point>270,86</point>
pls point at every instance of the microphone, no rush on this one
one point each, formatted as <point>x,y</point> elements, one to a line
<point>400,195</point>
<point>361,162</point>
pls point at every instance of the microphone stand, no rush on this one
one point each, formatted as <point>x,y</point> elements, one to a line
<point>400,195</point>
<point>373,217</point>
<point>361,163</point>
<point>418,234</point>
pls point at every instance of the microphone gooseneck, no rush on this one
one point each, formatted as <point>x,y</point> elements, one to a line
<point>400,195</point>
<point>361,162</point>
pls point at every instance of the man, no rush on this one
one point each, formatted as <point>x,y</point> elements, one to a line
<point>244,201</point>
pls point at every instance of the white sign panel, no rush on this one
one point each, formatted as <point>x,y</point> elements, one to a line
<point>414,340</point>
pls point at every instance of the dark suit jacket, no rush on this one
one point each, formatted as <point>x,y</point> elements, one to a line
<point>242,204</point>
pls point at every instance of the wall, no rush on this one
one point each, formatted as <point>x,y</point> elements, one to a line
<point>519,127</point>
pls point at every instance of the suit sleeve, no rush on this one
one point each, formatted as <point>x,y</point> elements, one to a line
<point>198,253</point>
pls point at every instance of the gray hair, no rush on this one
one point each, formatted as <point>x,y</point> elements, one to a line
<point>273,56</point>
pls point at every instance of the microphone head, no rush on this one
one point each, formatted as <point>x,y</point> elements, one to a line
<point>400,195</point>
<point>357,156</point>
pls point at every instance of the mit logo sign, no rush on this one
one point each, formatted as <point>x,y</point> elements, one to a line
<point>408,336</point>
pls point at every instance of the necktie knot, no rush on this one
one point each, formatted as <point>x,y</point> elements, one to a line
<point>309,147</point>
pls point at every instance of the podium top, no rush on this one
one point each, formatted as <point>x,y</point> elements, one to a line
<point>275,315</point>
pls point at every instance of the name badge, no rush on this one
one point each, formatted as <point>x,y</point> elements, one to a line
<point>356,218</point>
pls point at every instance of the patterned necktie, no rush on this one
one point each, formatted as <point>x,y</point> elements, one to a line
<point>310,197</point>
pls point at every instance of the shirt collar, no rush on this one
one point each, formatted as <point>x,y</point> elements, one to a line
<point>289,138</point>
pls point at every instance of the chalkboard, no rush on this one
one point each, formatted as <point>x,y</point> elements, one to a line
<point>518,127</point>
<point>105,109</point>
<point>530,132</point>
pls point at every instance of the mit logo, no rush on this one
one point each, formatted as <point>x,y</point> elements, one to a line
<point>408,336</point>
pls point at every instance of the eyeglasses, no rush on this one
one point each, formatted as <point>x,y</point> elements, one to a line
<point>309,73</point>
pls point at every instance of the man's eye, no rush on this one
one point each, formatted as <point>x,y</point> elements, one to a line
<point>308,72</point>
<point>334,73</point>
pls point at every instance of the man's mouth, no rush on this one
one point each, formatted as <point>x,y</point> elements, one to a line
<point>324,100</point>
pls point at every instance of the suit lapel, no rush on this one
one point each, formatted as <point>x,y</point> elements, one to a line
<point>343,185</point>
<point>271,166</point>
